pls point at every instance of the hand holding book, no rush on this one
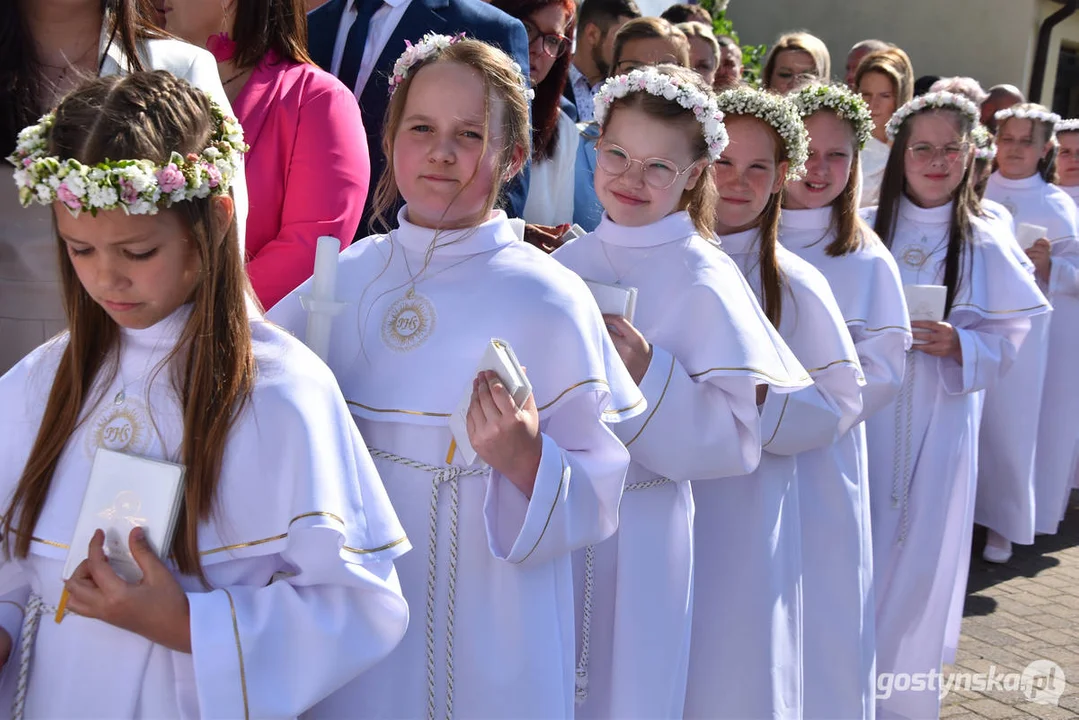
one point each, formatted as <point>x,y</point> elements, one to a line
<point>632,347</point>
<point>505,436</point>
<point>155,607</point>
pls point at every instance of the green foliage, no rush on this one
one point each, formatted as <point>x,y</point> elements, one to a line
<point>752,55</point>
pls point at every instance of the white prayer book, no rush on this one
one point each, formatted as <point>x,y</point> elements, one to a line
<point>1028,234</point>
<point>125,492</point>
<point>500,359</point>
<point>614,299</point>
<point>925,302</point>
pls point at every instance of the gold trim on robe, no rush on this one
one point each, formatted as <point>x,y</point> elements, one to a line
<point>239,652</point>
<point>670,374</point>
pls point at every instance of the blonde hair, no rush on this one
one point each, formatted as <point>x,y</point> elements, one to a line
<point>804,42</point>
<point>700,201</point>
<point>644,29</point>
<point>894,64</point>
<point>502,78</point>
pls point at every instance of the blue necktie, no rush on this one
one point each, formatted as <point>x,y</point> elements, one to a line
<point>357,38</point>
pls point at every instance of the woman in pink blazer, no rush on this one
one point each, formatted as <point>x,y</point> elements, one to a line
<point>308,169</point>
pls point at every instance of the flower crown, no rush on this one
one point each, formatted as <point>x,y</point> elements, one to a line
<point>1068,126</point>
<point>837,98</point>
<point>1021,113</point>
<point>139,187</point>
<point>433,44</point>
<point>933,101</point>
<point>653,81</point>
<point>778,112</point>
<point>985,148</point>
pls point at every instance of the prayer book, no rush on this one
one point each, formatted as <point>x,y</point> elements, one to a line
<point>500,359</point>
<point>126,492</point>
<point>925,302</point>
<point>614,299</point>
<point>1028,234</point>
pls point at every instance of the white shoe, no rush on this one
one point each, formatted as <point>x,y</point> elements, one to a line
<point>998,549</point>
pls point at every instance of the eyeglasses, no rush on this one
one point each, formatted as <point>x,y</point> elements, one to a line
<point>658,173</point>
<point>553,43</point>
<point>924,153</point>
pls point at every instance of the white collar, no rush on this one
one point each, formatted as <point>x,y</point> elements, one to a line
<point>815,219</point>
<point>1027,183</point>
<point>674,227</point>
<point>925,216</point>
<point>494,233</point>
<point>740,243</point>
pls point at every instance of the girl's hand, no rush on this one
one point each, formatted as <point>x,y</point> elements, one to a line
<point>635,351</point>
<point>156,607</point>
<point>506,437</point>
<point>941,339</point>
<point>1041,254</point>
<point>5,647</point>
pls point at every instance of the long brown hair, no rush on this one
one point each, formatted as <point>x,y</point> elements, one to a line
<point>264,25</point>
<point>126,22</point>
<point>148,115</point>
<point>501,78</point>
<point>700,201</point>
<point>546,103</point>
<point>894,186</point>
<point>895,65</point>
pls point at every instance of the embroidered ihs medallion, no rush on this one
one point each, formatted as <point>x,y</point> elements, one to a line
<point>408,322</point>
<point>124,428</point>
<point>914,256</point>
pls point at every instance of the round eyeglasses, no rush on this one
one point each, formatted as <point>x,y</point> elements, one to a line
<point>658,173</point>
<point>554,44</point>
<point>924,153</point>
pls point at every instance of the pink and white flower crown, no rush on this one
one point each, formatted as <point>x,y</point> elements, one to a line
<point>655,82</point>
<point>430,45</point>
<point>138,187</point>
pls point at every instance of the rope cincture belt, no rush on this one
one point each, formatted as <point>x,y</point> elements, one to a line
<point>902,455</point>
<point>581,682</point>
<point>444,475</point>
<point>35,608</point>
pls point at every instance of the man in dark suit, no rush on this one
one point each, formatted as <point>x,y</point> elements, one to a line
<point>598,22</point>
<point>360,40</point>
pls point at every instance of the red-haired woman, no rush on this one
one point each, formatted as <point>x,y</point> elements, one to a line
<point>550,26</point>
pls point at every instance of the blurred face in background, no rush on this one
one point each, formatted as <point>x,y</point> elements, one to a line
<point>702,58</point>
<point>793,70</point>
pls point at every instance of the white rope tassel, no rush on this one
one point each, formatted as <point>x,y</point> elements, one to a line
<point>35,608</point>
<point>581,682</point>
<point>441,476</point>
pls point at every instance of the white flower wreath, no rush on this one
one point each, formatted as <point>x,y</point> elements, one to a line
<point>653,81</point>
<point>933,101</point>
<point>430,45</point>
<point>139,187</point>
<point>778,112</point>
<point>985,147</point>
<point>1068,126</point>
<point>1020,113</point>
<point>840,100</point>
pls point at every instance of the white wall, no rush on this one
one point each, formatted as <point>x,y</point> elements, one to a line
<point>990,40</point>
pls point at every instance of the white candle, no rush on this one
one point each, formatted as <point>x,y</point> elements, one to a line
<point>321,302</point>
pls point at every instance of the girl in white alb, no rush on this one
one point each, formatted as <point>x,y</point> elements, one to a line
<point>698,346</point>
<point>820,224</point>
<point>280,585</point>
<point>492,584</point>
<point>1025,141</point>
<point>746,652</point>
<point>922,445</point>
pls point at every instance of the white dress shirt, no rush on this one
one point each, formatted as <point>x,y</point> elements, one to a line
<point>383,23</point>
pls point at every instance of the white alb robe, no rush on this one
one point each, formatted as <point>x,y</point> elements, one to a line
<point>493,582</point>
<point>873,161</point>
<point>1006,447</point>
<point>550,185</point>
<point>838,649</point>
<point>922,447</point>
<point>1032,200</point>
<point>1072,190</point>
<point>298,552</point>
<point>712,345</point>
<point>746,652</point>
